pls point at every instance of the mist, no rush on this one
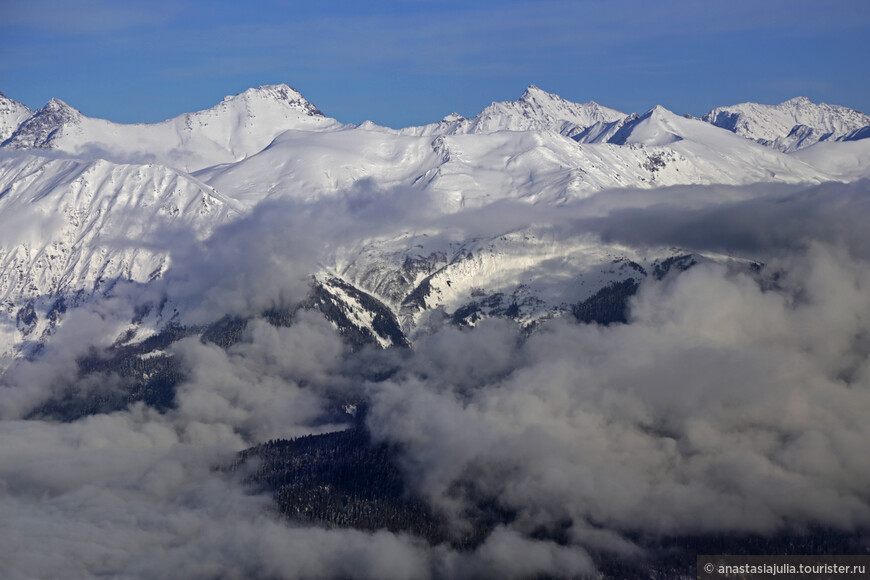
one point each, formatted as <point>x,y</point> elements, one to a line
<point>733,401</point>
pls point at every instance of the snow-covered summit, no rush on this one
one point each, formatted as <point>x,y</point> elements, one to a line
<point>535,110</point>
<point>45,127</point>
<point>280,104</point>
<point>707,153</point>
<point>658,126</point>
<point>279,93</point>
<point>12,114</point>
<point>538,104</point>
<point>239,126</point>
<point>790,125</point>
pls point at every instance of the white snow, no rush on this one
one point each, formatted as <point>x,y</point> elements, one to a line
<point>239,126</point>
<point>791,125</point>
<point>12,114</point>
<point>536,110</point>
<point>68,225</point>
<point>845,160</point>
<point>74,217</point>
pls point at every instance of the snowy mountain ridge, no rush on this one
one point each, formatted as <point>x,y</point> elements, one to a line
<point>238,126</point>
<point>790,125</point>
<point>244,124</point>
<point>73,228</point>
<point>535,110</point>
<point>82,199</point>
<point>12,114</point>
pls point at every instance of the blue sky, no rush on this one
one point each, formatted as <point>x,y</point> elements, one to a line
<point>410,62</point>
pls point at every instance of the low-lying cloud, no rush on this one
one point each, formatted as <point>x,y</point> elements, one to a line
<point>779,221</point>
<point>719,408</point>
<point>732,402</point>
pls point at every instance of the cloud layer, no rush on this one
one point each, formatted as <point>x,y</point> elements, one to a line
<point>733,402</point>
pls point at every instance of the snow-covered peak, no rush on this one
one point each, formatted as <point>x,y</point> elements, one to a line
<point>542,104</point>
<point>239,126</point>
<point>453,118</point>
<point>55,105</point>
<point>12,114</point>
<point>535,110</point>
<point>261,110</point>
<point>282,94</point>
<point>658,126</point>
<point>709,153</point>
<point>790,125</point>
<point>798,102</point>
<point>45,127</point>
<point>538,109</point>
<point>535,92</point>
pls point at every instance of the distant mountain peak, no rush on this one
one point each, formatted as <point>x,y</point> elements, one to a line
<point>59,111</point>
<point>790,125</point>
<point>658,126</point>
<point>533,91</point>
<point>12,114</point>
<point>537,96</point>
<point>55,104</point>
<point>537,109</point>
<point>658,110</point>
<point>238,126</point>
<point>798,101</point>
<point>281,93</point>
<point>44,127</point>
<point>453,118</point>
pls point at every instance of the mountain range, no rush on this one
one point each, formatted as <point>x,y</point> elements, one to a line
<point>550,340</point>
<point>83,201</point>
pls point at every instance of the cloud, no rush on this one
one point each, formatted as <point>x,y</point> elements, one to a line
<point>120,496</point>
<point>266,259</point>
<point>269,386</point>
<point>733,402</point>
<point>720,408</point>
<point>506,554</point>
<point>85,331</point>
<point>781,221</point>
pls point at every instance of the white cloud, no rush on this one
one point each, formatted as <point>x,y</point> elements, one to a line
<point>725,405</point>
